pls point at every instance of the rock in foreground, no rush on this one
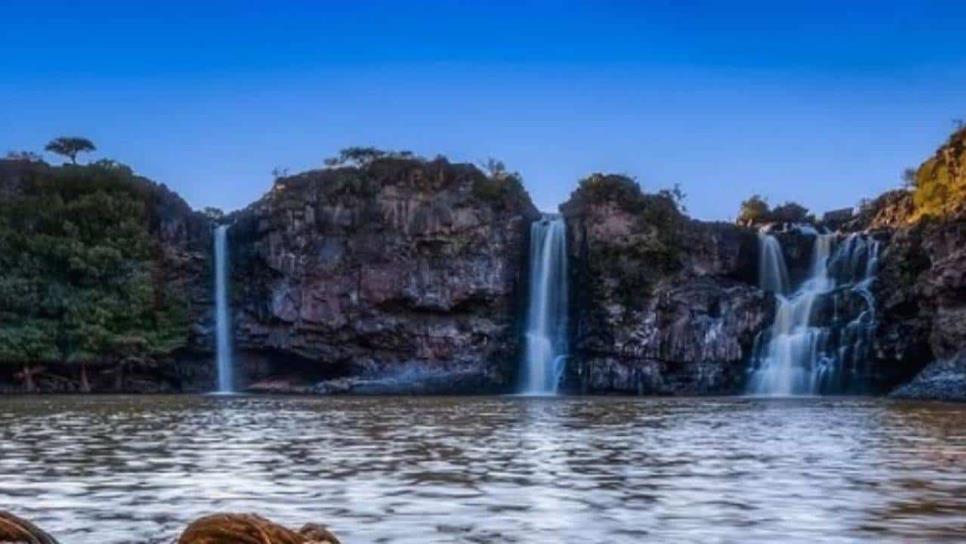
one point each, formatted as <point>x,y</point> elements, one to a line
<point>14,529</point>
<point>251,529</point>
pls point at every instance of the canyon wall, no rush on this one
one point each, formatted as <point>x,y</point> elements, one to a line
<point>389,273</point>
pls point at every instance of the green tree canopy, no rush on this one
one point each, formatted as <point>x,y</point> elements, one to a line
<point>70,146</point>
<point>754,210</point>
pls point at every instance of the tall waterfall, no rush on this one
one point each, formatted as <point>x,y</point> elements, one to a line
<point>546,336</point>
<point>822,333</point>
<point>222,312</point>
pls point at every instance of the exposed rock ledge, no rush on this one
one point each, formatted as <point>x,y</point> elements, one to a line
<point>941,380</point>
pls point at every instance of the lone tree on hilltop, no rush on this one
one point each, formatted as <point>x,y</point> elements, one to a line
<point>70,147</point>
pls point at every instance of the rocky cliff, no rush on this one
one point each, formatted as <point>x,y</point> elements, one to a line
<point>922,281</point>
<point>390,273</point>
<point>922,294</point>
<point>663,304</point>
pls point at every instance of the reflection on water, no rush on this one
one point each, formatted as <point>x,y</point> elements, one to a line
<point>417,470</point>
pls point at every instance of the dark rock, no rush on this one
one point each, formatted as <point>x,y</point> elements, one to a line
<point>941,380</point>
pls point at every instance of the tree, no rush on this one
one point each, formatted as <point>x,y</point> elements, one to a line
<point>70,146</point>
<point>909,178</point>
<point>790,212</point>
<point>754,210</point>
<point>676,195</point>
<point>214,214</point>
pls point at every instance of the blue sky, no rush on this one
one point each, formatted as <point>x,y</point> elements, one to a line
<point>822,102</point>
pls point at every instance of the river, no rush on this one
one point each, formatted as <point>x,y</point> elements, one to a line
<point>104,470</point>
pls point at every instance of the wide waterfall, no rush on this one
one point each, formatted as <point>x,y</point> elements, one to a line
<point>222,312</point>
<point>546,336</point>
<point>822,334</point>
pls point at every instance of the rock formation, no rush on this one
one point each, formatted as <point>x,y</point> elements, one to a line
<point>663,304</point>
<point>389,273</point>
<point>392,274</point>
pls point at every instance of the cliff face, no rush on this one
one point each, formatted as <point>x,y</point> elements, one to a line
<point>398,274</point>
<point>922,286</point>
<point>102,274</point>
<point>663,304</point>
<point>922,293</point>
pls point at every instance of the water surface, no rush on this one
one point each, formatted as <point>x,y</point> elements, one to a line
<point>105,470</point>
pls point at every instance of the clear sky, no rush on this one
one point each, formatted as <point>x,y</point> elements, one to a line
<point>823,102</point>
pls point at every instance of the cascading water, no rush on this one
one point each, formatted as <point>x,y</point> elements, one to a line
<point>222,312</point>
<point>822,332</point>
<point>772,274</point>
<point>546,335</point>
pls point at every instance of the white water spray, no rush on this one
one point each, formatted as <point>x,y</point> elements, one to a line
<point>813,347</point>
<point>546,335</point>
<point>222,312</point>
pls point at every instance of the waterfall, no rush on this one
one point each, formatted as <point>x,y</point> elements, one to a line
<point>546,335</point>
<point>772,274</point>
<point>222,312</point>
<point>822,334</point>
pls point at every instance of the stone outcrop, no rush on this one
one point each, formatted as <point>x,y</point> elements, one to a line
<point>663,304</point>
<point>396,274</point>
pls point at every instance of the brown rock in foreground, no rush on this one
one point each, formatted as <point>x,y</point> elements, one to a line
<point>14,529</point>
<point>251,529</point>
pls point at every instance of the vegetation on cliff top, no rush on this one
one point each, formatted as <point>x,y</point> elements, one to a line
<point>658,226</point>
<point>79,266</point>
<point>756,211</point>
<point>939,184</point>
<point>361,171</point>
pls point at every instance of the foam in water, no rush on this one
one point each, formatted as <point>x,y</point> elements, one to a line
<point>222,312</point>
<point>546,335</point>
<point>815,346</point>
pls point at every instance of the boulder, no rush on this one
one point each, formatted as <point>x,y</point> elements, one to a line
<point>251,529</point>
<point>20,531</point>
